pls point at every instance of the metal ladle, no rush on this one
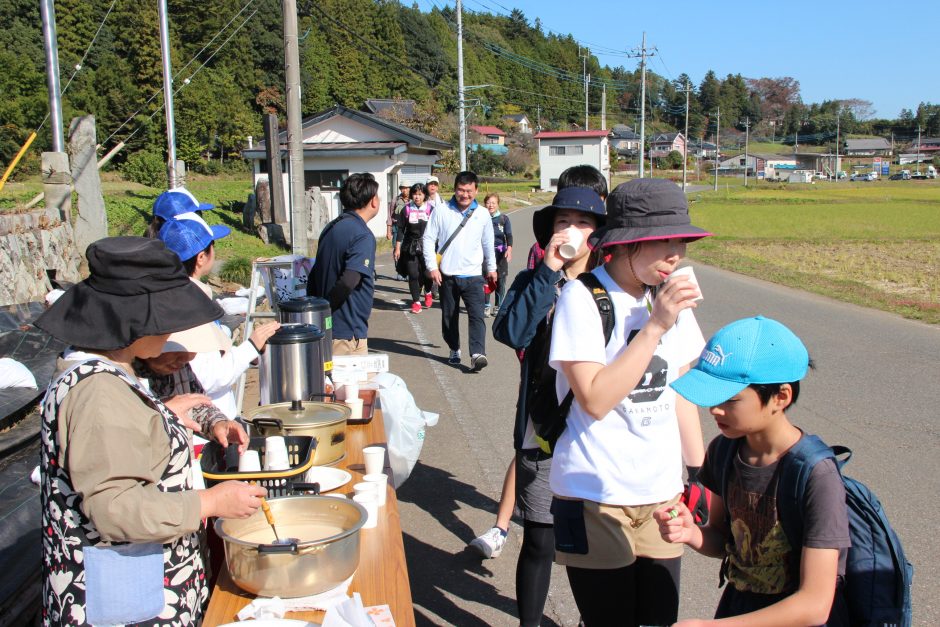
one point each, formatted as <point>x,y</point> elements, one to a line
<point>269,515</point>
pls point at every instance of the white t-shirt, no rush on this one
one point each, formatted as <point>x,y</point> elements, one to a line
<point>633,455</point>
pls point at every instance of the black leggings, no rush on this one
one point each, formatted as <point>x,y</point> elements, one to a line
<point>534,571</point>
<point>643,593</point>
<point>417,278</point>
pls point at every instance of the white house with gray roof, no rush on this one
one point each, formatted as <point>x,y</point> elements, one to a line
<point>341,141</point>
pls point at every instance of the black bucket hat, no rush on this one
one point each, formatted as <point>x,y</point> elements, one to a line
<point>136,288</point>
<point>577,198</point>
<point>643,210</point>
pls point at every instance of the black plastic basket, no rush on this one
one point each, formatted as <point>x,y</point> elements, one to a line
<point>221,464</point>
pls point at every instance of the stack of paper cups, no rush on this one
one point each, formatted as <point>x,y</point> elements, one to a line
<point>368,500</point>
<point>380,481</point>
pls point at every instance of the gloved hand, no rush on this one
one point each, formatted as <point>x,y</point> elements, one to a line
<point>696,497</point>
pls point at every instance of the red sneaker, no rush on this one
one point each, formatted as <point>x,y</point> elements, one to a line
<point>428,299</point>
<point>416,307</point>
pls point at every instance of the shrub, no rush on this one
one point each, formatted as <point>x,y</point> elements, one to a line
<point>146,168</point>
<point>237,270</point>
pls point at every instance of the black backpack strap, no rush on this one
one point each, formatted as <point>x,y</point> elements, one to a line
<point>605,307</point>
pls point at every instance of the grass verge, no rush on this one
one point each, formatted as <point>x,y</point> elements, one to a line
<point>876,245</point>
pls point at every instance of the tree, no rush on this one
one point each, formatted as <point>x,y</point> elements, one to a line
<point>709,92</point>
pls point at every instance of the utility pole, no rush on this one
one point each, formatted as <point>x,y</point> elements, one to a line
<point>838,122</point>
<point>538,118</point>
<point>747,128</point>
<point>918,149</point>
<point>295,150</point>
<point>167,95</point>
<point>462,124</point>
<point>51,47</point>
<point>584,58</point>
<point>717,144</point>
<point>685,143</point>
<point>642,53</point>
<point>603,106</point>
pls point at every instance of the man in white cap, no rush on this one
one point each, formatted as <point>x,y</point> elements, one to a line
<point>433,185</point>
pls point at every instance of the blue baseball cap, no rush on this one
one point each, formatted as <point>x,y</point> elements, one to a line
<point>177,201</point>
<point>753,350</point>
<point>187,235</point>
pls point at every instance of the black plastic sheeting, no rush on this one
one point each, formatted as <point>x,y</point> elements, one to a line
<point>20,525</point>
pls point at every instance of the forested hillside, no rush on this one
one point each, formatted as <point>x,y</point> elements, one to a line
<point>228,64</point>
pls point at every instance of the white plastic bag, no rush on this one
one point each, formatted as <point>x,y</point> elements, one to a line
<point>404,425</point>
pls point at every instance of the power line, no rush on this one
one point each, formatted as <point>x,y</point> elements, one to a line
<point>81,63</point>
<point>179,89</point>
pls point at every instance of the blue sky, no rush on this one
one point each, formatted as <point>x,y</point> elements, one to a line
<point>861,49</point>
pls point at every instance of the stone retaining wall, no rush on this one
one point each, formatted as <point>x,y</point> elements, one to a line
<point>31,243</point>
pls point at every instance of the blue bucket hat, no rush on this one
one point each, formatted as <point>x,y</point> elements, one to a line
<point>577,198</point>
<point>752,350</point>
<point>177,201</point>
<point>187,235</point>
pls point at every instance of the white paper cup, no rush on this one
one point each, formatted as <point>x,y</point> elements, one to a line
<point>275,453</point>
<point>365,487</point>
<point>371,503</point>
<point>351,390</point>
<point>249,461</point>
<point>688,273</point>
<point>380,481</point>
<point>374,457</point>
<point>355,407</point>
<point>569,250</point>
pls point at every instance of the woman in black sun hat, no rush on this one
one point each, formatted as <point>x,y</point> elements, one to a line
<point>120,520</point>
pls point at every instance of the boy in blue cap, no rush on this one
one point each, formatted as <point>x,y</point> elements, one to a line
<point>749,376</point>
<point>193,241</point>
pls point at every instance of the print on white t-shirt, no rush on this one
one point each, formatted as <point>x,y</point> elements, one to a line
<point>633,455</point>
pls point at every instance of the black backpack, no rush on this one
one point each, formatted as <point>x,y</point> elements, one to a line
<point>548,416</point>
<point>878,576</point>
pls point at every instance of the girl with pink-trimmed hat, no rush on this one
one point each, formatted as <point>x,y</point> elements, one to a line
<point>620,457</point>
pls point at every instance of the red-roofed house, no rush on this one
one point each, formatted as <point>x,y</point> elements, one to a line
<point>488,135</point>
<point>559,150</point>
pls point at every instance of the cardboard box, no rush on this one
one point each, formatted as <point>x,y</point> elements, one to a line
<point>373,362</point>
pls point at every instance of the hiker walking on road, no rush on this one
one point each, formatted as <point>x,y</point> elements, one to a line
<point>619,458</point>
<point>502,244</point>
<point>463,237</point>
<point>409,258</point>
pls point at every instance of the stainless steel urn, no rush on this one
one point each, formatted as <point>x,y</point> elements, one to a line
<point>292,365</point>
<point>315,311</point>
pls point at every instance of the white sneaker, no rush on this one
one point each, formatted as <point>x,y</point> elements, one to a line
<point>454,358</point>
<point>478,362</point>
<point>490,544</point>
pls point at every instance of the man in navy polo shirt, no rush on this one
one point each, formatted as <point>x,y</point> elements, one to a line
<point>343,271</point>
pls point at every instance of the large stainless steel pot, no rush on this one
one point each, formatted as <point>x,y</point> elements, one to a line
<point>325,555</point>
<point>292,365</point>
<point>315,311</point>
<point>324,421</point>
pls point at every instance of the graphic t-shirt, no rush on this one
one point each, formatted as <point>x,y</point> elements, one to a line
<point>632,456</point>
<point>760,558</point>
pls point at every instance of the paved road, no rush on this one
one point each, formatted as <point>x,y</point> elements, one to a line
<point>873,390</point>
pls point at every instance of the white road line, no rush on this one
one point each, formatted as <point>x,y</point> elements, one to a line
<point>493,468</point>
